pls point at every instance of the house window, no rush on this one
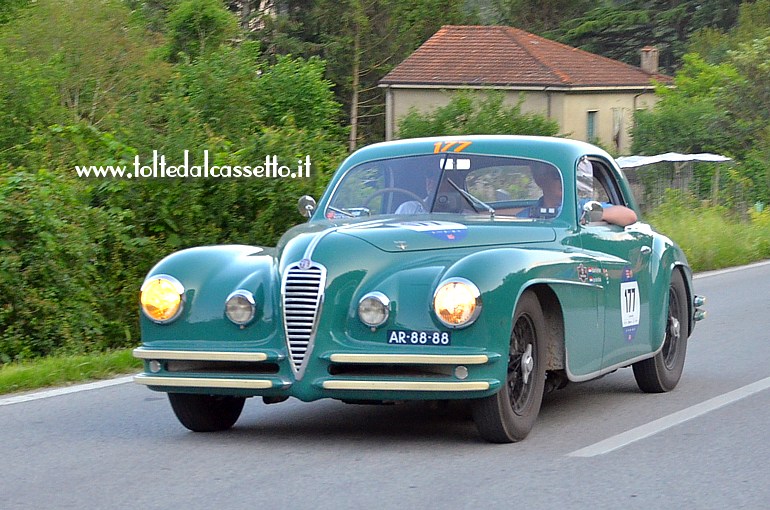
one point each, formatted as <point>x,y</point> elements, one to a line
<point>591,125</point>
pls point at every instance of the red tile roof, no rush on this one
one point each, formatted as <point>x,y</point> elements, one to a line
<point>507,56</point>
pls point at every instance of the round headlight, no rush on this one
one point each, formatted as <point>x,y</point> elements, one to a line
<point>457,303</point>
<point>373,309</point>
<point>240,307</point>
<point>162,298</point>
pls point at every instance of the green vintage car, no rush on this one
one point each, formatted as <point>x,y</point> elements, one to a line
<point>478,268</point>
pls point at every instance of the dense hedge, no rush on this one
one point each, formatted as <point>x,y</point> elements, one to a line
<point>73,252</point>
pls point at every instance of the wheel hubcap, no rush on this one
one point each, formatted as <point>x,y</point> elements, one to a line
<point>527,364</point>
<point>674,328</point>
<point>673,332</point>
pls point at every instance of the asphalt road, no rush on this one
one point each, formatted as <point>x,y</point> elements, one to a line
<point>601,444</point>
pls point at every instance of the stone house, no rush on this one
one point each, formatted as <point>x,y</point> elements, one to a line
<point>593,98</point>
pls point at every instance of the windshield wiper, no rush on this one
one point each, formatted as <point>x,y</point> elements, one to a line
<point>471,199</point>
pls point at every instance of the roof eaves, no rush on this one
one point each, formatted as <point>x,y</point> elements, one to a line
<point>495,86</point>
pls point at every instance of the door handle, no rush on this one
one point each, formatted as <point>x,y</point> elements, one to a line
<point>646,250</point>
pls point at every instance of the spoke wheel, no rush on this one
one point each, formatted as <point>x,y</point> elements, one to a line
<point>662,372</point>
<point>510,414</point>
<point>206,413</point>
<point>520,364</point>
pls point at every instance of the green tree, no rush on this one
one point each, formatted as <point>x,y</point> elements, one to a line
<point>87,51</point>
<point>713,44</point>
<point>198,26</point>
<point>82,84</point>
<point>718,108</point>
<point>539,16</point>
<point>361,40</point>
<point>687,118</point>
<point>620,29</point>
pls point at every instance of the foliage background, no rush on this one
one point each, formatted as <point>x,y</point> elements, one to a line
<point>87,82</point>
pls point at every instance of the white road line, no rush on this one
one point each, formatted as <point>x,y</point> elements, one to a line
<point>64,391</point>
<point>643,431</point>
<point>718,272</point>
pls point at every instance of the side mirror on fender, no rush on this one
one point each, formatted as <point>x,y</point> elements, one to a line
<point>306,205</point>
<point>592,211</point>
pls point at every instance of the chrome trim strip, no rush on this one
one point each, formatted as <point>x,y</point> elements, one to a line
<point>405,385</point>
<point>422,359</point>
<point>144,353</point>
<point>204,382</point>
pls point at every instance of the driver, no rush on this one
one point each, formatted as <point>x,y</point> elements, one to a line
<point>548,179</point>
<point>549,204</point>
<point>415,206</point>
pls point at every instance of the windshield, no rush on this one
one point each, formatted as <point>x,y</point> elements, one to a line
<point>448,183</point>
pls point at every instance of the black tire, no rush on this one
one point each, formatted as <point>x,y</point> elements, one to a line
<point>206,413</point>
<point>510,414</point>
<point>662,372</point>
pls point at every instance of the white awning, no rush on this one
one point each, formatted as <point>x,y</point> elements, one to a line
<point>634,161</point>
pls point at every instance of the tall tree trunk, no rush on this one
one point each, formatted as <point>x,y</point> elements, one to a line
<point>355,85</point>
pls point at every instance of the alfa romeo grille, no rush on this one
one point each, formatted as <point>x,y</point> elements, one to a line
<point>302,292</point>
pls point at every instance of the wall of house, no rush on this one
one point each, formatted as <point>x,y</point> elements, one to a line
<point>613,111</point>
<point>426,100</point>
<point>613,117</point>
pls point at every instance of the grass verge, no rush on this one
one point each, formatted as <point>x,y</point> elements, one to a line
<point>60,371</point>
<point>711,236</point>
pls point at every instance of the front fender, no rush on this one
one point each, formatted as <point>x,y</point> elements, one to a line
<point>502,275</point>
<point>668,257</point>
<point>218,271</point>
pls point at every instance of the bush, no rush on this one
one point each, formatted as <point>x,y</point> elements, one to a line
<point>470,114</point>
<point>62,270</point>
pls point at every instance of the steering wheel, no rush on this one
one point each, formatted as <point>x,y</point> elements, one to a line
<point>394,190</point>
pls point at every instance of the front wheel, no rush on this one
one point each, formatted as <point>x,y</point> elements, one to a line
<point>510,414</point>
<point>662,372</point>
<point>206,413</point>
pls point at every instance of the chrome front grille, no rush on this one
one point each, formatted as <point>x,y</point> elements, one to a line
<point>302,294</point>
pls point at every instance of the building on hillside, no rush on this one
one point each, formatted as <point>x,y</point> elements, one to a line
<point>593,98</point>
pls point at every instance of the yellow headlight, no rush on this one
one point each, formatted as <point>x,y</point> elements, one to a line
<point>161,298</point>
<point>457,303</point>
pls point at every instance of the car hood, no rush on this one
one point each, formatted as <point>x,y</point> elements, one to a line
<point>396,235</point>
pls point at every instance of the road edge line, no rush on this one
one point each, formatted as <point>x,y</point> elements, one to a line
<point>718,272</point>
<point>648,429</point>
<point>18,399</point>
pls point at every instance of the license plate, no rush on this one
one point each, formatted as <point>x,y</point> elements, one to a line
<point>411,337</point>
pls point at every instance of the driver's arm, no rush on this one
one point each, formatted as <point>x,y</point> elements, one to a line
<point>619,215</point>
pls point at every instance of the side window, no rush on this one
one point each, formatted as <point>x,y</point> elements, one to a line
<point>605,187</point>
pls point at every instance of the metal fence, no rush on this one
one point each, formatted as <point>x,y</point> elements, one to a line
<point>709,182</point>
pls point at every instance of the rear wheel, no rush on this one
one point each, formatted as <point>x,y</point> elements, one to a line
<point>206,413</point>
<point>509,415</point>
<point>662,372</point>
